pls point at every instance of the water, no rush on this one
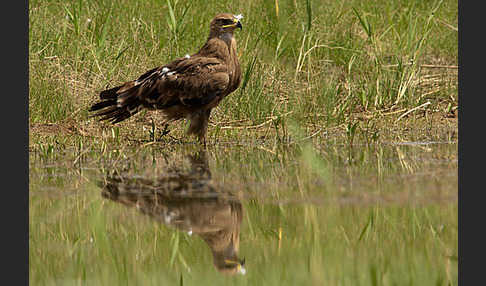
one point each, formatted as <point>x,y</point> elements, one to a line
<point>379,214</point>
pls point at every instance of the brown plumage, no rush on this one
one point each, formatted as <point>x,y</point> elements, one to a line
<point>189,87</point>
<point>190,201</point>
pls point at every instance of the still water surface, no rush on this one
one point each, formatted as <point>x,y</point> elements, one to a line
<point>367,215</point>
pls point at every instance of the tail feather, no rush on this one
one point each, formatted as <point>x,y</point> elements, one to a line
<point>117,104</point>
<point>102,104</point>
<point>110,93</point>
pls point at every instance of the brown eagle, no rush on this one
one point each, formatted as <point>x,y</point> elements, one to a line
<point>189,87</point>
<point>187,200</point>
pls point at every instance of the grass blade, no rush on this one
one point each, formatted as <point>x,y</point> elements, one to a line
<point>364,23</point>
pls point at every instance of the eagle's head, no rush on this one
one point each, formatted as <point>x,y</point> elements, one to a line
<point>225,23</point>
<point>232,267</point>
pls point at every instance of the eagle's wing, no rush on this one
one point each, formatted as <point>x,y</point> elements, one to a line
<point>186,82</point>
<point>193,82</point>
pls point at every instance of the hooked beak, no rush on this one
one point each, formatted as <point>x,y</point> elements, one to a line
<point>240,265</point>
<point>238,25</point>
<point>236,22</point>
<point>242,262</point>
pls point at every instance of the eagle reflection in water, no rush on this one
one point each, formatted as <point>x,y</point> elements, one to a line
<point>188,201</point>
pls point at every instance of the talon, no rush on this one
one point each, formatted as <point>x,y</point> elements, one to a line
<point>165,131</point>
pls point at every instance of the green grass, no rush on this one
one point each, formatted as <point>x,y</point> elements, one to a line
<point>305,140</point>
<point>320,61</point>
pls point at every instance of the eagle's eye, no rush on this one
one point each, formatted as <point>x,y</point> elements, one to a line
<point>226,21</point>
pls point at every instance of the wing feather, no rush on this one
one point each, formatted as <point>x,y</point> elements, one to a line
<point>192,81</point>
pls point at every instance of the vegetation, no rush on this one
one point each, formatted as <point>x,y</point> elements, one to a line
<point>313,64</point>
<point>389,217</point>
<point>333,91</point>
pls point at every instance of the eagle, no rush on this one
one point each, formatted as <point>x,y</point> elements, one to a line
<point>188,87</point>
<point>189,201</point>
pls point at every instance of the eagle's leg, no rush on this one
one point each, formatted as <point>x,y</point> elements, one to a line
<point>165,131</point>
<point>199,125</point>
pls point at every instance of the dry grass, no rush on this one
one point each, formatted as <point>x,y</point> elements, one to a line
<point>341,65</point>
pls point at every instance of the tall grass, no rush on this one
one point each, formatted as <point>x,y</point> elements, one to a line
<point>309,67</point>
<point>322,60</point>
